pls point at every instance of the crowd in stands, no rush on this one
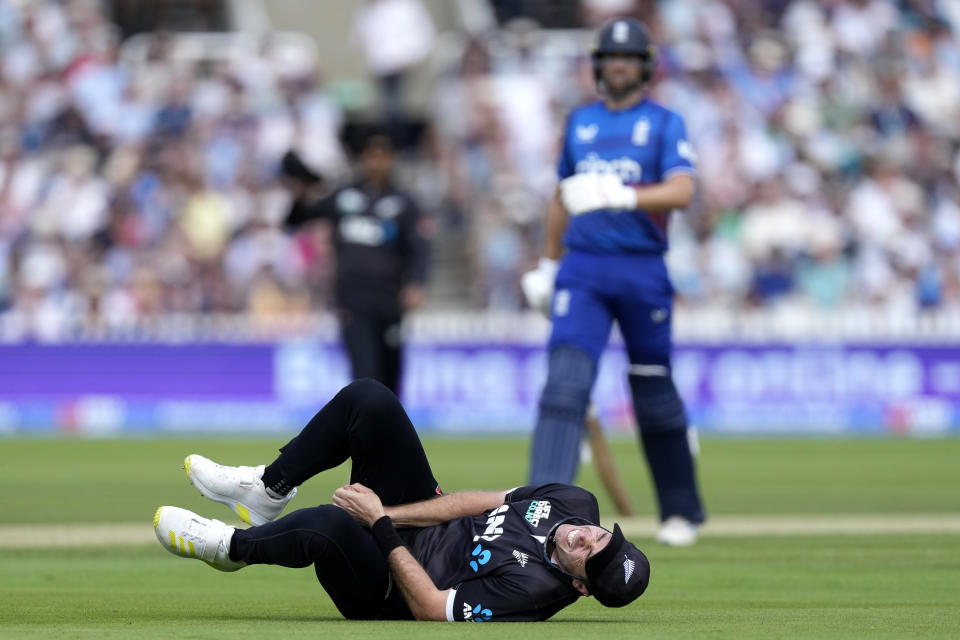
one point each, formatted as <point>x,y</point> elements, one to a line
<point>828,136</point>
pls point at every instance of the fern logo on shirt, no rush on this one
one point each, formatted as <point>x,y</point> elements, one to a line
<point>521,557</point>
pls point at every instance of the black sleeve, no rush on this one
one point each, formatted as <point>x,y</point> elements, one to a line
<point>501,598</point>
<point>576,500</point>
<point>303,211</point>
<point>551,490</point>
<point>415,233</point>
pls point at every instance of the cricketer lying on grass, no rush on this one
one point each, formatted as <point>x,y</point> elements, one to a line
<point>392,545</point>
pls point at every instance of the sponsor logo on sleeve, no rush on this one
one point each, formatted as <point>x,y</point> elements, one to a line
<point>685,151</point>
<point>477,613</point>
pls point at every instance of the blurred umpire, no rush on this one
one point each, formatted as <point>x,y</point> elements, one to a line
<point>625,164</point>
<point>381,248</point>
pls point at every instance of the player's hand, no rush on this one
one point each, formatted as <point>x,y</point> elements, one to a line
<point>585,192</point>
<point>361,503</point>
<point>538,285</point>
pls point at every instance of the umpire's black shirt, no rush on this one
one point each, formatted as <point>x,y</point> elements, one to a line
<point>495,563</point>
<point>379,241</point>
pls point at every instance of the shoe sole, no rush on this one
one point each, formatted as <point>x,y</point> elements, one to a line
<point>242,511</point>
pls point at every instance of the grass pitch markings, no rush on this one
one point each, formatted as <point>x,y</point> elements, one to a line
<point>22,536</point>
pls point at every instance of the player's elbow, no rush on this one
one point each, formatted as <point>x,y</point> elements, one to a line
<point>425,615</point>
<point>435,610</point>
<point>682,188</point>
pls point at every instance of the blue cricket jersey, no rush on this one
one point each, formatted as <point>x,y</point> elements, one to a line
<point>643,144</point>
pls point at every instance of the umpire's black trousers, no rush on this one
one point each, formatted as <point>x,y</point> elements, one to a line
<point>373,339</point>
<point>366,423</point>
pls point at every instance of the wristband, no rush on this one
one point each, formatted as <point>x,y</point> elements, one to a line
<point>386,536</point>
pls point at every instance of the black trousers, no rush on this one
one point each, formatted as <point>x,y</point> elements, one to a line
<point>366,423</point>
<point>374,344</point>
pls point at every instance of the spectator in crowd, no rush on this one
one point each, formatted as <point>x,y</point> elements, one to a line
<point>861,98</point>
<point>395,36</point>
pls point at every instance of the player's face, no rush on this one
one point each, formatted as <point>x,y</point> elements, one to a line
<point>377,160</point>
<point>575,544</point>
<point>621,72</point>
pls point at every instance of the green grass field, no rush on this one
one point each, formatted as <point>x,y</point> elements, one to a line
<point>783,586</point>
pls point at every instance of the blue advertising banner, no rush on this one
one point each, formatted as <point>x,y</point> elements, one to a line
<point>471,387</point>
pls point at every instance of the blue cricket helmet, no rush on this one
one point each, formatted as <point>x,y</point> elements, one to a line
<point>625,36</point>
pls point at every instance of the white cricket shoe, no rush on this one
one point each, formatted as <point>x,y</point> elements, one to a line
<point>186,534</point>
<point>240,488</point>
<point>677,531</point>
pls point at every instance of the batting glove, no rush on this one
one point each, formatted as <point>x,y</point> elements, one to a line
<point>538,285</point>
<point>585,192</point>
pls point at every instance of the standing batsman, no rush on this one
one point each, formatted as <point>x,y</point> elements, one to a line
<point>625,164</point>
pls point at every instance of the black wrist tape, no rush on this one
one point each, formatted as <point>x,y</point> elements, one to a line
<point>386,536</point>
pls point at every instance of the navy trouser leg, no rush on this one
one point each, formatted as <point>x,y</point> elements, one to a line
<point>366,423</point>
<point>563,405</point>
<point>345,558</point>
<point>662,423</point>
<point>581,327</point>
<point>373,342</point>
<point>644,311</point>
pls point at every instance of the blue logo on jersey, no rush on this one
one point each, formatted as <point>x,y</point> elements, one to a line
<point>477,614</point>
<point>482,557</point>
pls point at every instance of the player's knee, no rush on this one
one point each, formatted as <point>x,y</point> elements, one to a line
<point>569,379</point>
<point>368,394</point>
<point>332,515</point>
<point>365,387</point>
<point>326,519</point>
<point>657,404</point>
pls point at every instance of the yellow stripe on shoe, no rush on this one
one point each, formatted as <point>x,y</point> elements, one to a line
<point>193,551</point>
<point>183,550</point>
<point>244,513</point>
<point>186,465</point>
<point>156,518</point>
<point>173,540</point>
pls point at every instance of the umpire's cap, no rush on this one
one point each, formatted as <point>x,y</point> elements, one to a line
<point>619,573</point>
<point>625,36</point>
